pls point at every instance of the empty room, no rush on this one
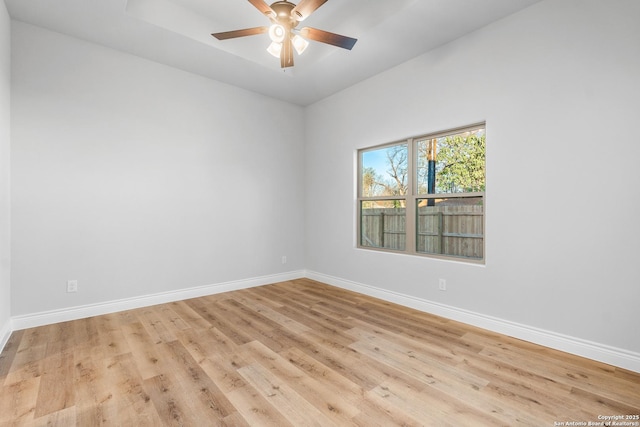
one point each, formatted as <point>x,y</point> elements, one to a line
<point>319,213</point>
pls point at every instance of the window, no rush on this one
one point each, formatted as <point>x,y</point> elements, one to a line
<point>424,195</point>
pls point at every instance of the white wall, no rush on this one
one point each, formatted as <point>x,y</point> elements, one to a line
<point>558,87</point>
<point>135,178</point>
<point>5,121</point>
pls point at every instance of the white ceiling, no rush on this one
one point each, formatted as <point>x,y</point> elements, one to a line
<point>177,33</point>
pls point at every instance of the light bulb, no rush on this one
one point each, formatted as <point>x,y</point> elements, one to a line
<point>275,49</point>
<point>277,33</point>
<point>299,44</point>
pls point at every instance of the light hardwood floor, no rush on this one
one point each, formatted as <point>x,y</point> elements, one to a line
<point>297,353</point>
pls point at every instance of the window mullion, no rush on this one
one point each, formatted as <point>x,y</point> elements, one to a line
<point>410,203</point>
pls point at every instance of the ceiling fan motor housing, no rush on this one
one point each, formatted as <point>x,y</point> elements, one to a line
<point>284,16</point>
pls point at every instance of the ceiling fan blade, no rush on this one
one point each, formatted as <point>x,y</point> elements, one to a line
<point>263,7</point>
<point>240,33</point>
<point>327,37</point>
<point>286,54</point>
<point>305,8</point>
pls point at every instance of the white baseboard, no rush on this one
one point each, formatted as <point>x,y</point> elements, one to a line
<point>595,351</point>
<point>603,353</point>
<point>81,312</point>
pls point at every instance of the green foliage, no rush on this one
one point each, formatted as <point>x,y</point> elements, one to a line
<point>460,164</point>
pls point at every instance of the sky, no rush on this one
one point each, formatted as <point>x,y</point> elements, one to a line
<point>376,159</point>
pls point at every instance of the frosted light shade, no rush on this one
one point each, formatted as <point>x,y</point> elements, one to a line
<point>299,44</point>
<point>275,49</point>
<point>277,33</point>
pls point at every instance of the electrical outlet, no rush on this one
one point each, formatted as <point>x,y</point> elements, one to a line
<point>442,284</point>
<point>284,259</point>
<point>72,286</point>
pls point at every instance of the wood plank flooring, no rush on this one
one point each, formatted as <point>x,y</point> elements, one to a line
<point>297,353</point>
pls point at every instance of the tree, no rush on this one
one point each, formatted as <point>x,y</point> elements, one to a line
<point>398,170</point>
<point>370,182</point>
<point>394,181</point>
<point>460,164</point>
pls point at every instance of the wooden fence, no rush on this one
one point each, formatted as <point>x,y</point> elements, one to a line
<point>384,228</point>
<point>446,230</point>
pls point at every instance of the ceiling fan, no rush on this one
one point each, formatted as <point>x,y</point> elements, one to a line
<point>285,17</point>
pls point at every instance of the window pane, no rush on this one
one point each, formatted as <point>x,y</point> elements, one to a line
<point>451,226</point>
<point>451,164</point>
<point>384,171</point>
<point>382,224</point>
